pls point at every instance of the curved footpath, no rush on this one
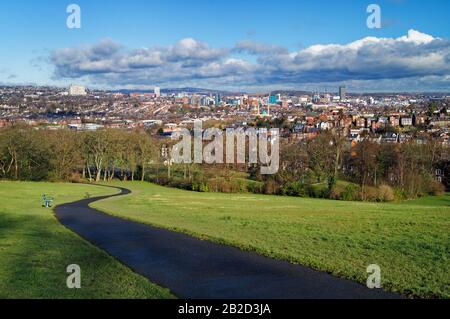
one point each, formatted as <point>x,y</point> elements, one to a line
<point>196,269</point>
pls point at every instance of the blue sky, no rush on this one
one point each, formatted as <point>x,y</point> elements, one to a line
<point>34,33</point>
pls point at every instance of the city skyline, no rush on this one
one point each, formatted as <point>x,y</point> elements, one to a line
<point>235,46</point>
<point>224,151</point>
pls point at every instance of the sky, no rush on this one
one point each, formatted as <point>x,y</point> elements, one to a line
<point>244,45</point>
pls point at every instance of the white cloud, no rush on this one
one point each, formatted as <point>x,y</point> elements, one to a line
<point>413,56</point>
<point>416,37</point>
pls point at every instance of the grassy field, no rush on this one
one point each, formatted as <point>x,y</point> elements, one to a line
<point>410,240</point>
<point>35,250</point>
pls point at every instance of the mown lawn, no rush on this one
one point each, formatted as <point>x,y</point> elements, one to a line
<point>410,240</point>
<point>35,250</point>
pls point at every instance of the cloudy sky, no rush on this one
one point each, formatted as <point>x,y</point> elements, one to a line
<point>237,45</point>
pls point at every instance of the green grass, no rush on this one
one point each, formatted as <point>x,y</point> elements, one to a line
<point>35,250</point>
<point>410,240</point>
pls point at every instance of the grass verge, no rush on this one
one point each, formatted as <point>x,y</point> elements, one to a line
<point>35,249</point>
<point>410,240</point>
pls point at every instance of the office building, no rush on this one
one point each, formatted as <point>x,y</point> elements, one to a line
<point>343,93</point>
<point>273,99</point>
<point>157,91</point>
<point>218,99</point>
<point>77,90</point>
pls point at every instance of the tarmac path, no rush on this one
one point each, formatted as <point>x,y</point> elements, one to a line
<point>196,269</point>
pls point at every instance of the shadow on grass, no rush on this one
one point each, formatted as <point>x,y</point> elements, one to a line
<point>35,252</point>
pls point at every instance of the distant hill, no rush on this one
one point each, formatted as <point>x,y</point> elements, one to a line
<point>179,90</point>
<point>291,92</point>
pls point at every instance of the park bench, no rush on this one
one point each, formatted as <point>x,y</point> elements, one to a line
<point>47,201</point>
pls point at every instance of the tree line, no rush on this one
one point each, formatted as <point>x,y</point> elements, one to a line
<point>328,166</point>
<point>41,154</point>
<point>367,170</point>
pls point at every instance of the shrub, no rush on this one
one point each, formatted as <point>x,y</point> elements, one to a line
<point>200,187</point>
<point>317,191</point>
<point>224,186</point>
<point>370,194</point>
<point>180,183</point>
<point>238,186</point>
<point>271,187</point>
<point>75,178</point>
<point>213,185</point>
<point>293,189</point>
<point>349,192</point>
<point>385,193</point>
<point>399,193</point>
<point>352,192</point>
<point>161,180</point>
<point>437,188</point>
<point>255,187</point>
<point>337,192</point>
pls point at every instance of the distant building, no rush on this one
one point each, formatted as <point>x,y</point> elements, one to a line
<point>360,122</point>
<point>299,128</point>
<point>77,90</point>
<point>316,98</point>
<point>218,99</point>
<point>151,123</point>
<point>394,121</point>
<point>273,99</point>
<point>440,175</point>
<point>343,93</point>
<point>383,120</point>
<point>390,137</point>
<point>85,127</point>
<point>303,99</point>
<point>421,120</point>
<point>406,121</point>
<point>157,91</point>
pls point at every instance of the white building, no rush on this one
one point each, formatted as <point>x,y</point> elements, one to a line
<point>76,90</point>
<point>157,91</point>
<point>406,121</point>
